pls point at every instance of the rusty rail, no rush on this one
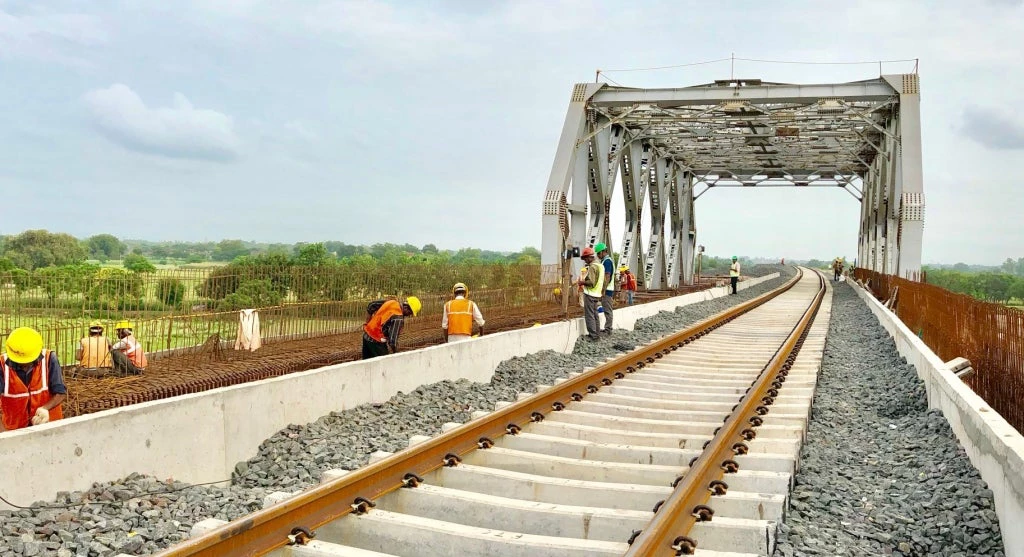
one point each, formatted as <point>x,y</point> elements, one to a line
<point>268,529</point>
<point>668,532</point>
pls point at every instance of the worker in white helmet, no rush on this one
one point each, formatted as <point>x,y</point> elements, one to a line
<point>460,315</point>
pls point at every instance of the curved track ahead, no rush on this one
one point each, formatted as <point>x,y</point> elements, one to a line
<point>684,446</point>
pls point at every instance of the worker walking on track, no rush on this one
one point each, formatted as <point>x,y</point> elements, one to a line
<point>460,315</point>
<point>734,273</point>
<point>31,382</point>
<point>380,333</point>
<point>592,280</point>
<point>609,285</point>
<point>93,351</point>
<point>627,283</point>
<point>837,268</point>
<point>128,356</point>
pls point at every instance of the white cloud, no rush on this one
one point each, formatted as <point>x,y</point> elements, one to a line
<point>993,128</point>
<point>49,35</point>
<point>179,131</point>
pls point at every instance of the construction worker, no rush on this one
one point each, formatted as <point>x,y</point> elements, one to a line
<point>627,283</point>
<point>380,333</point>
<point>31,383</point>
<point>609,285</point>
<point>460,315</point>
<point>591,279</point>
<point>837,268</point>
<point>93,352</point>
<point>128,356</point>
<point>734,273</point>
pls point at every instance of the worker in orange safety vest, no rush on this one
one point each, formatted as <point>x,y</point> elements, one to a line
<point>460,314</point>
<point>31,383</point>
<point>128,356</point>
<point>380,333</point>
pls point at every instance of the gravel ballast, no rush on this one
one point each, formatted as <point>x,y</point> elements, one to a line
<point>139,515</point>
<point>880,473</point>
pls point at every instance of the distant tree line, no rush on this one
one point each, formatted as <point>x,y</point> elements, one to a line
<point>34,249</point>
<point>997,287</point>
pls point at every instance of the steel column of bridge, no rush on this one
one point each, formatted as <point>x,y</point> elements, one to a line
<point>634,191</point>
<point>655,270</point>
<point>666,143</point>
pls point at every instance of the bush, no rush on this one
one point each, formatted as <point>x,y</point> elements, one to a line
<point>170,291</point>
<point>251,294</point>
<point>116,285</point>
<point>137,263</point>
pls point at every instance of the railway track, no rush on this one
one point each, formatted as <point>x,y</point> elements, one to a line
<point>685,446</point>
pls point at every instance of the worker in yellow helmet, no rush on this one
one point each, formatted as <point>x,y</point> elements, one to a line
<point>93,352</point>
<point>128,355</point>
<point>460,314</point>
<point>384,324</point>
<point>31,383</point>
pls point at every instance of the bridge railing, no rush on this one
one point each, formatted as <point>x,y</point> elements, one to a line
<point>955,325</point>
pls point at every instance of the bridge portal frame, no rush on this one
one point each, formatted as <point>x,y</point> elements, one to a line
<point>664,144</point>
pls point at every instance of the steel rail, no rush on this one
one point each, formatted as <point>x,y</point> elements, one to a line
<point>668,532</point>
<point>276,526</point>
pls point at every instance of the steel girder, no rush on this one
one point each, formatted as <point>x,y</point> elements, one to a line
<point>740,133</point>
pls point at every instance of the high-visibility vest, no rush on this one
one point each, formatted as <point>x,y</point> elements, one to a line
<point>628,281</point>
<point>19,402</point>
<point>135,352</point>
<point>610,285</point>
<point>460,316</point>
<point>375,326</point>
<point>734,269</point>
<point>95,352</point>
<point>597,290</point>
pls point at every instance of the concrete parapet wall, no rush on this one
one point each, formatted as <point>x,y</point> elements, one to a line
<point>995,448</point>
<point>200,437</point>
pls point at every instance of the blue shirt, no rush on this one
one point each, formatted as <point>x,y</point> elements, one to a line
<point>609,269</point>
<point>56,378</point>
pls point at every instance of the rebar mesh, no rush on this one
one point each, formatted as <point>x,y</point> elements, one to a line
<point>955,325</point>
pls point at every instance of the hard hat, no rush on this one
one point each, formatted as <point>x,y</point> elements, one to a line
<point>557,291</point>
<point>600,247</point>
<point>587,252</point>
<point>95,325</point>
<point>734,258</point>
<point>460,286</point>
<point>24,345</point>
<point>124,324</point>
<point>414,305</point>
<point>624,268</point>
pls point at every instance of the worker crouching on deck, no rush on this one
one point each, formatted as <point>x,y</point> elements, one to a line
<point>460,315</point>
<point>93,352</point>
<point>31,383</point>
<point>128,356</point>
<point>380,333</point>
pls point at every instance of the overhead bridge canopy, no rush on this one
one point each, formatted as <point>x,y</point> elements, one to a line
<point>667,147</point>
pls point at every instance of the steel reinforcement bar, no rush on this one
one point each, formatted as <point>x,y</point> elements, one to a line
<point>668,532</point>
<point>276,526</point>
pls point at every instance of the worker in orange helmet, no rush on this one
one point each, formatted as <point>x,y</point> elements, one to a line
<point>31,383</point>
<point>460,316</point>
<point>592,280</point>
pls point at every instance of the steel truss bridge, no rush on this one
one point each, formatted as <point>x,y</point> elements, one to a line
<point>667,147</point>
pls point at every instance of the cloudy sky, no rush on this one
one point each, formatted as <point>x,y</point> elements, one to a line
<point>436,122</point>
